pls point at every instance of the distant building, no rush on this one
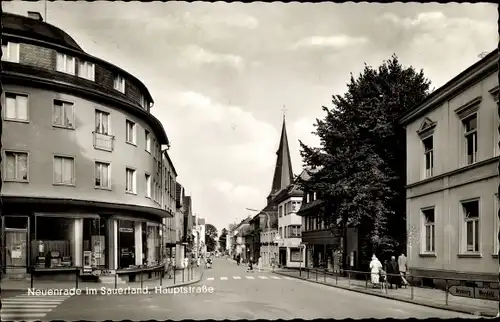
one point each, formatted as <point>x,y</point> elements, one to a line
<point>289,201</point>
<point>265,223</point>
<point>452,177</point>
<point>323,248</point>
<point>199,237</point>
<point>169,184</point>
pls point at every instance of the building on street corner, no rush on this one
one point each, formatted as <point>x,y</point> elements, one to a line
<point>323,248</point>
<point>68,119</point>
<point>452,177</point>
<point>291,252</point>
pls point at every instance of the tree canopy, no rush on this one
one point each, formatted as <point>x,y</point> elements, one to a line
<point>223,238</point>
<point>210,237</point>
<point>359,168</point>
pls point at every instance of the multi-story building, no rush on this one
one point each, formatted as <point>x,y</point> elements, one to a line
<point>239,242</point>
<point>199,237</point>
<point>188,225</point>
<point>180,241</point>
<point>452,176</point>
<point>169,176</point>
<point>266,220</point>
<point>323,248</point>
<point>81,158</point>
<point>291,252</point>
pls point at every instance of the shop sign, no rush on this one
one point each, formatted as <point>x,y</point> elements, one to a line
<point>126,230</point>
<point>104,272</point>
<point>486,293</point>
<point>475,292</point>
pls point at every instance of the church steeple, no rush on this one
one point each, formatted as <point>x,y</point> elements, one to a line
<point>283,175</point>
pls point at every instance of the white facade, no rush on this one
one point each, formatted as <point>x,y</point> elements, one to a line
<point>268,249</point>
<point>289,229</point>
<point>199,239</point>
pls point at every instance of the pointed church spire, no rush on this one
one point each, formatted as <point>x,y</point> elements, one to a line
<point>283,175</point>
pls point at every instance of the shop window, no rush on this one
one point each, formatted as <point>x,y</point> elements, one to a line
<point>95,240</point>
<point>126,243</point>
<point>54,241</point>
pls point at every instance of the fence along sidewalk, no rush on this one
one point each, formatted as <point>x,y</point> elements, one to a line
<point>413,293</point>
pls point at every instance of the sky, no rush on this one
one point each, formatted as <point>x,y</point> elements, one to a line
<point>222,74</point>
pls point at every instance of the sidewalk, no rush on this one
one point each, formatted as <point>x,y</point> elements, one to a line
<point>180,280</point>
<point>423,296</point>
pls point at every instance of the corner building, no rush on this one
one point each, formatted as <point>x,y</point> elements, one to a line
<point>84,187</point>
<point>452,177</point>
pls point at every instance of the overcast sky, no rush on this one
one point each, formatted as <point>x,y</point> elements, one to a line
<point>221,73</point>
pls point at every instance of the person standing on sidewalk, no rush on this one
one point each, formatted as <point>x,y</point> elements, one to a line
<point>259,265</point>
<point>375,267</point>
<point>403,268</point>
<point>393,273</point>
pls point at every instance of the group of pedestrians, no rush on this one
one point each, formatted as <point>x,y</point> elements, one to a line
<point>391,273</point>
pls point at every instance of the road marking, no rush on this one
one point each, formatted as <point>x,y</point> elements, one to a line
<point>236,277</point>
<point>210,279</point>
<point>250,277</point>
<point>223,278</point>
<point>26,307</point>
<point>263,277</point>
<point>276,277</point>
<point>288,278</point>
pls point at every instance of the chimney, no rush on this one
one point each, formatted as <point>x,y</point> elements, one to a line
<point>35,15</point>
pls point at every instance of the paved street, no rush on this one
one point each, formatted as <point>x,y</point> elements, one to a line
<point>236,295</point>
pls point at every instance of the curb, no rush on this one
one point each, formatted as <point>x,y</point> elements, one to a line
<point>484,314</point>
<point>124,286</point>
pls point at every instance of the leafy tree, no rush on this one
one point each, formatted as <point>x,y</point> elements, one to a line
<point>223,238</point>
<point>359,168</point>
<point>210,237</point>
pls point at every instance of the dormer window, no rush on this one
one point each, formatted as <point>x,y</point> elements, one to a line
<point>314,196</point>
<point>86,70</point>
<point>65,64</point>
<point>119,83</point>
<point>144,102</point>
<point>10,52</point>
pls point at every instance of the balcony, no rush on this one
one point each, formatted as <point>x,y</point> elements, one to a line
<point>103,142</point>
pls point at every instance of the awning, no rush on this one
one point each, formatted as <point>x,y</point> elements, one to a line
<point>67,215</point>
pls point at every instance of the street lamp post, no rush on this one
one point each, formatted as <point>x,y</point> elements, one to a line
<point>268,235</point>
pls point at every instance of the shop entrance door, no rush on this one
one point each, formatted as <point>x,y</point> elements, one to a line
<point>16,245</point>
<point>282,257</point>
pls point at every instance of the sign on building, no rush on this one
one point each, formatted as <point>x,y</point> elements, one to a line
<point>475,292</point>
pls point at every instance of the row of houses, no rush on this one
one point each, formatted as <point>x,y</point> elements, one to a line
<point>451,193</point>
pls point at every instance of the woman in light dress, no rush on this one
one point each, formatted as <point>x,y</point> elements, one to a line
<point>259,265</point>
<point>375,267</point>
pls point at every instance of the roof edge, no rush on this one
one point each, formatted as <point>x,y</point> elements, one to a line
<point>485,66</point>
<point>81,53</point>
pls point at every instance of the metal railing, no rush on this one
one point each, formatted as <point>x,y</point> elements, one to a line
<point>449,291</point>
<point>40,279</point>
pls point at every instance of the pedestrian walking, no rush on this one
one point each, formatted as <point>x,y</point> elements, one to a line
<point>403,268</point>
<point>393,273</point>
<point>260,264</point>
<point>375,267</point>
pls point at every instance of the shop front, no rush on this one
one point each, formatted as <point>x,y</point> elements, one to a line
<point>69,244</point>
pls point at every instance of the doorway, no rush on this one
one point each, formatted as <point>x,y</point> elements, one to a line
<point>16,250</point>
<point>282,257</point>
